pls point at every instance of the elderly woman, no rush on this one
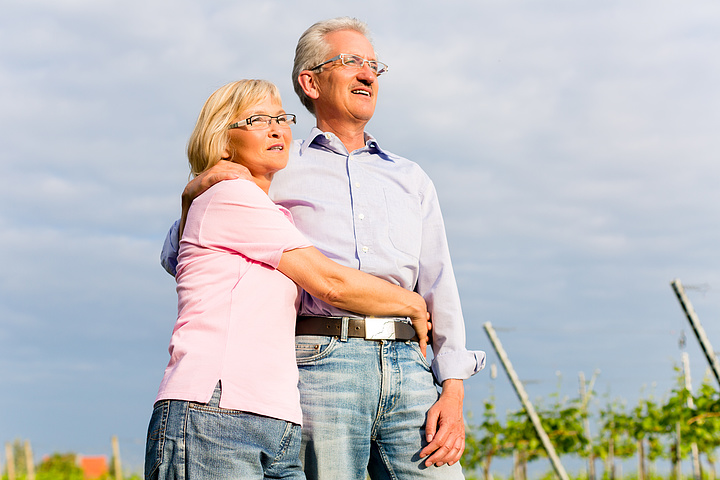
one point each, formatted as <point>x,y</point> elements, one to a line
<point>228,405</point>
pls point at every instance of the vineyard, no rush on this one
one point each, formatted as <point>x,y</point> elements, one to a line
<point>682,426</point>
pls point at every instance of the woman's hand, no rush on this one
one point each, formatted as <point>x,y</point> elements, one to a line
<point>421,324</point>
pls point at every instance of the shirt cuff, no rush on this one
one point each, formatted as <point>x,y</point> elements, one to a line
<point>461,364</point>
<point>169,253</point>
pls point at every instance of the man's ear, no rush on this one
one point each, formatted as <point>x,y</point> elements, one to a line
<point>308,83</point>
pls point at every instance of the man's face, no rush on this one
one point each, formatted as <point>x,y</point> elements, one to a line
<point>347,94</point>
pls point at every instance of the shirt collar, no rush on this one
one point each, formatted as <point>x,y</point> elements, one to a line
<point>329,141</point>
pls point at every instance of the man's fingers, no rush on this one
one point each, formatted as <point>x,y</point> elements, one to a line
<point>459,448</point>
<point>439,446</point>
<point>430,425</point>
<point>448,452</point>
<point>217,177</point>
<point>441,455</point>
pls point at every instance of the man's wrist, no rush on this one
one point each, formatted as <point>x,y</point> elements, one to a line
<point>453,387</point>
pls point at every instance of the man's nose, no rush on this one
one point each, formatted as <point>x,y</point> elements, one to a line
<point>366,74</point>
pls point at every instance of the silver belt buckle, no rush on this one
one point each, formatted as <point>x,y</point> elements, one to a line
<point>379,328</point>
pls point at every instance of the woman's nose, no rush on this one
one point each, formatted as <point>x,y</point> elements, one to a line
<point>274,129</point>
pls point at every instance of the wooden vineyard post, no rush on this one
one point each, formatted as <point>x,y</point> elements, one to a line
<point>117,470</point>
<point>610,460</point>
<point>29,463</point>
<point>10,460</point>
<point>585,398</point>
<point>697,328</point>
<point>691,404</point>
<point>678,453</point>
<point>529,409</point>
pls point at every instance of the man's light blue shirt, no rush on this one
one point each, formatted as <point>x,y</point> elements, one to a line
<point>377,212</point>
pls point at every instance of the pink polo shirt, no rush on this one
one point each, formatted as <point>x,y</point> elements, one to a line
<point>236,312</point>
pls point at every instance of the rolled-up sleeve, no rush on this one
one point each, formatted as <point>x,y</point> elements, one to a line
<point>461,364</point>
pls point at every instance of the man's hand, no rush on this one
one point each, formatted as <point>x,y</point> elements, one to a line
<point>223,170</point>
<point>445,427</point>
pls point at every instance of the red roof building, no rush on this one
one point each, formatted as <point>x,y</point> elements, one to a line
<point>93,467</point>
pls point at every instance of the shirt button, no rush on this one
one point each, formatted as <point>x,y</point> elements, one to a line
<point>365,249</point>
<point>361,216</point>
<point>328,135</point>
<point>357,184</point>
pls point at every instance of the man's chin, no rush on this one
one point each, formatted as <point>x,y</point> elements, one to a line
<point>364,114</point>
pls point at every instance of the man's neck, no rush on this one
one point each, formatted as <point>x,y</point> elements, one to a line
<point>352,136</point>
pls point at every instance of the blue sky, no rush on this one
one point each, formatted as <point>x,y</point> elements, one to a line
<point>574,146</point>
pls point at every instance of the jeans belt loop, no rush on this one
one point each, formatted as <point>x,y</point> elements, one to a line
<point>344,329</point>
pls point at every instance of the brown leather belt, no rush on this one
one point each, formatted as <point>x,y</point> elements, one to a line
<point>369,328</point>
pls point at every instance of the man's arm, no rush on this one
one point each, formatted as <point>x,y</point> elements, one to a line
<point>169,252</point>
<point>452,362</point>
<point>223,170</point>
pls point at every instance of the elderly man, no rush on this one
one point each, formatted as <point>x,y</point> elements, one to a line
<point>369,398</point>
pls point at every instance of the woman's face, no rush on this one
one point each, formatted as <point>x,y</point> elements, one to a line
<point>262,148</point>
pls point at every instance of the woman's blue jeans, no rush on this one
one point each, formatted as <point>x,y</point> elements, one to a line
<point>364,406</point>
<point>195,441</point>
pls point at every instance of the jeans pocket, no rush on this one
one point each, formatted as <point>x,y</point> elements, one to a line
<point>155,443</point>
<point>289,445</point>
<point>420,357</point>
<point>311,348</point>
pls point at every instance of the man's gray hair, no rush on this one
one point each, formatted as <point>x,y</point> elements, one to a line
<point>312,49</point>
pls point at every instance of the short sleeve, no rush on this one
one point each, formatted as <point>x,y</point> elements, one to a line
<point>237,216</point>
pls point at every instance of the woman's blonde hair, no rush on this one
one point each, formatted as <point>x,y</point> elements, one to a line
<point>210,137</point>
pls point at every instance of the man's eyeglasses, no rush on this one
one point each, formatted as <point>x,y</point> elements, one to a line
<point>356,61</point>
<point>257,122</point>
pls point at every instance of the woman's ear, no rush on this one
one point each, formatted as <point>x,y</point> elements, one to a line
<point>308,83</point>
<point>225,154</point>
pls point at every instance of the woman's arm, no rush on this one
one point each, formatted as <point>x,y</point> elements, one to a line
<point>354,290</point>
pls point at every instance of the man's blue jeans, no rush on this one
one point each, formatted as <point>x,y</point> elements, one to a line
<point>364,407</point>
<point>188,440</point>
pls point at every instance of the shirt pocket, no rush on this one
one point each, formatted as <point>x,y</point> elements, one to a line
<point>404,221</point>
